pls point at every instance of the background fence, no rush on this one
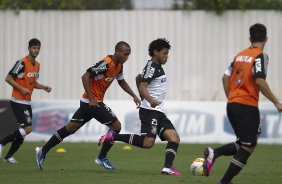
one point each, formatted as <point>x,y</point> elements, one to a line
<point>203,44</point>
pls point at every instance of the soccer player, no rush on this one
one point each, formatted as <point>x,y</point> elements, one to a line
<point>96,81</point>
<point>242,82</point>
<point>151,84</point>
<point>23,77</point>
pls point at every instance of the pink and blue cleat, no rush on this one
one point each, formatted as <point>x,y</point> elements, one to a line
<point>109,137</point>
<point>209,160</point>
<point>170,171</point>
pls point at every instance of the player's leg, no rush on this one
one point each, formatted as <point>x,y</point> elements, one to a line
<point>106,116</point>
<point>13,149</point>
<point>23,114</point>
<point>114,128</point>
<point>172,145</point>
<point>248,133</point>
<point>60,134</point>
<point>57,138</point>
<point>211,154</point>
<point>148,132</point>
<point>167,132</point>
<point>80,117</point>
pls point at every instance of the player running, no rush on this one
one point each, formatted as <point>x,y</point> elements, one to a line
<point>23,77</point>
<point>242,82</point>
<point>151,84</point>
<point>96,81</point>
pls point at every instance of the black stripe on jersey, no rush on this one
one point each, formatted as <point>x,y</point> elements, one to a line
<point>99,68</point>
<point>17,68</point>
<point>146,72</point>
<point>120,74</point>
<point>151,71</point>
<point>260,66</point>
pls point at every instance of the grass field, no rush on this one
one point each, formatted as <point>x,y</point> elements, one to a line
<point>136,166</point>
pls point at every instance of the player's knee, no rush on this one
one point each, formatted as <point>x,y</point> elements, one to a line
<point>176,139</point>
<point>116,126</point>
<point>71,129</point>
<point>148,143</point>
<point>249,149</point>
<point>243,155</point>
<point>27,129</point>
<point>172,137</point>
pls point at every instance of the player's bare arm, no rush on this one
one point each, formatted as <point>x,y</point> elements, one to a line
<point>266,91</point>
<point>10,80</point>
<point>86,84</point>
<point>37,85</point>
<point>124,85</point>
<point>144,93</point>
<point>138,80</point>
<point>225,80</point>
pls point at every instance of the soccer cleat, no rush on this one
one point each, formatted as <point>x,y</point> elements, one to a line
<point>11,160</point>
<point>209,160</point>
<point>170,171</point>
<point>104,162</point>
<point>1,150</point>
<point>108,137</point>
<point>223,183</point>
<point>39,157</point>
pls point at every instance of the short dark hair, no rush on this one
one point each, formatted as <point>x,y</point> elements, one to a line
<point>158,45</point>
<point>120,44</point>
<point>257,33</point>
<point>34,42</point>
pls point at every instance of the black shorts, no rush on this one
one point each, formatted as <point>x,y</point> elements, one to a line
<point>245,121</point>
<point>23,113</point>
<point>102,113</point>
<point>153,123</point>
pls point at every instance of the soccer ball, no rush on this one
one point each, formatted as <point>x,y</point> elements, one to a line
<point>197,167</point>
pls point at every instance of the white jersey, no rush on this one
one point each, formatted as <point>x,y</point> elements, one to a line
<point>154,75</point>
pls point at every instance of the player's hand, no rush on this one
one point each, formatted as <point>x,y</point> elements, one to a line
<point>25,91</point>
<point>47,89</point>
<point>137,101</point>
<point>278,105</point>
<point>93,103</point>
<point>154,103</point>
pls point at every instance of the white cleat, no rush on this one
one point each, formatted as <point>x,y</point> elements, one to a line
<point>11,160</point>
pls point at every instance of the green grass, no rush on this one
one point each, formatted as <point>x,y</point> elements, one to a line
<point>137,166</point>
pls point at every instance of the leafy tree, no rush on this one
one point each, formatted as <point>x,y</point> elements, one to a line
<point>107,4</point>
<point>65,4</point>
<point>221,5</point>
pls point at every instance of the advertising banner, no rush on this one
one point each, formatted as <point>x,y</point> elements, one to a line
<point>196,122</point>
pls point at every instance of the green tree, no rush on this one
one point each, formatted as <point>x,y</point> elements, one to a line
<point>221,5</point>
<point>65,4</point>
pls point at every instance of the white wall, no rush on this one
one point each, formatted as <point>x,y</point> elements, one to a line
<point>202,46</point>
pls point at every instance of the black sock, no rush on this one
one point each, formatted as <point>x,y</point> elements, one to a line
<point>133,139</point>
<point>11,137</point>
<point>105,149</point>
<point>14,147</point>
<point>236,165</point>
<point>55,139</point>
<point>227,149</point>
<point>170,153</point>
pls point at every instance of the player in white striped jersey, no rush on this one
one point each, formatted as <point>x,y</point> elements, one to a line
<point>151,84</point>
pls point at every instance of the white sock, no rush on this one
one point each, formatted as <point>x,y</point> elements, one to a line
<point>22,131</point>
